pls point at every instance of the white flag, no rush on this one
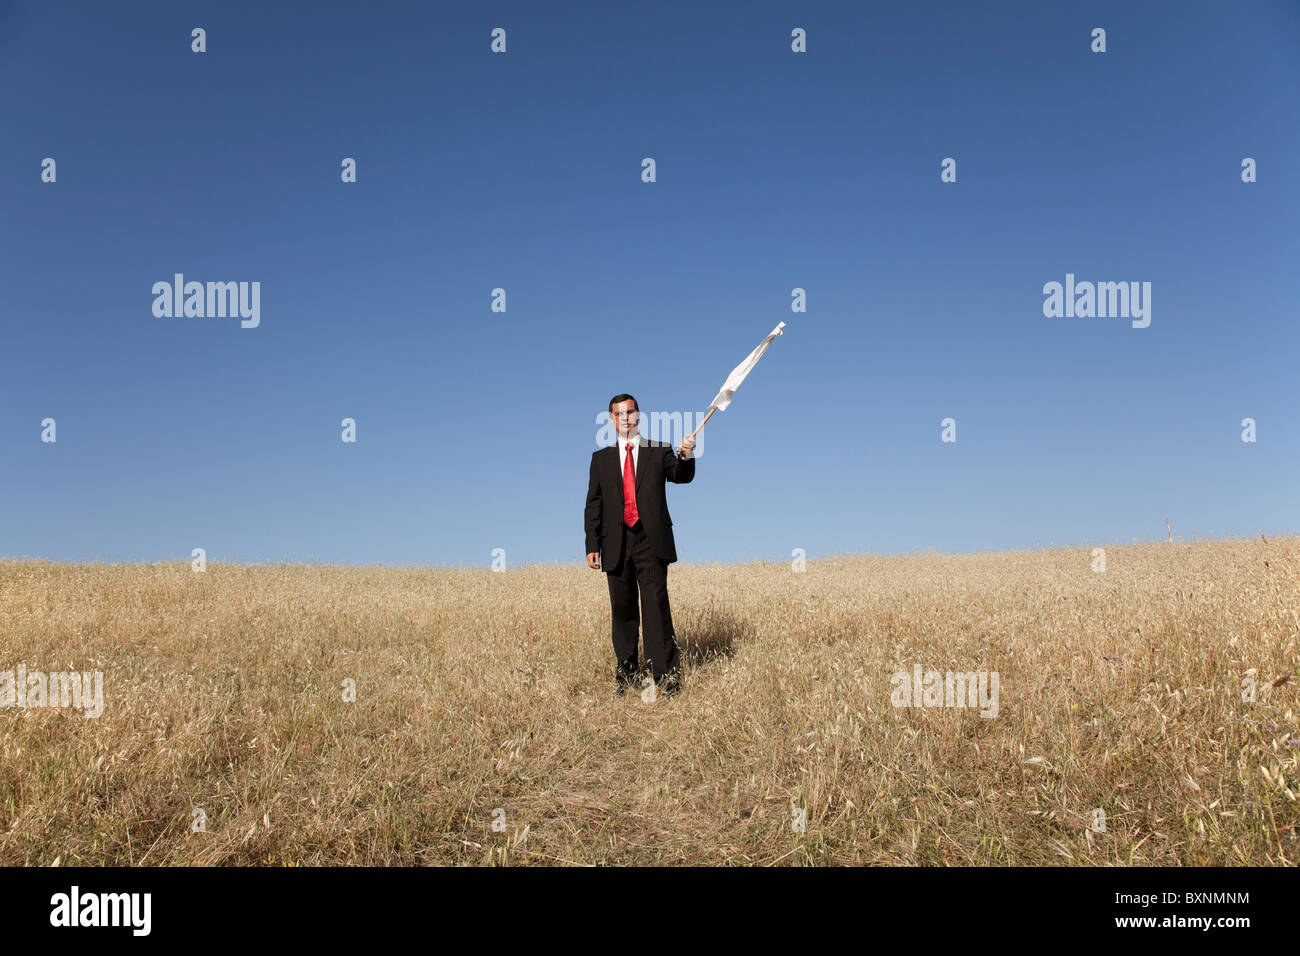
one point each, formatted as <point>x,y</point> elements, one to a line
<point>738,374</point>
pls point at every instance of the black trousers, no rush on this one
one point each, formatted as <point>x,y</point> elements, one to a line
<point>641,567</point>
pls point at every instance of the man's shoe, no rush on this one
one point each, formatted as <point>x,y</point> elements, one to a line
<point>670,687</point>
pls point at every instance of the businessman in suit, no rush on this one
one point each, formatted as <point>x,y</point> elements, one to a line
<point>630,537</point>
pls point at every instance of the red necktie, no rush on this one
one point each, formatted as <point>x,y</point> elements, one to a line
<point>629,489</point>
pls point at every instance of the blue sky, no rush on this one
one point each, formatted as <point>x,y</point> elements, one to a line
<point>522,171</point>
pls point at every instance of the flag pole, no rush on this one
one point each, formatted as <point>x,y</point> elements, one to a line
<point>701,424</point>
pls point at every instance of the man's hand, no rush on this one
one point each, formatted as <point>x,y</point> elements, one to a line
<point>593,560</point>
<point>688,446</point>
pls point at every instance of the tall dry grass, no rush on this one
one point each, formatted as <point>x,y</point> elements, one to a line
<point>477,690</point>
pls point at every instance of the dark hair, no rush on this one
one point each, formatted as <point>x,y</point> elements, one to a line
<point>623,398</point>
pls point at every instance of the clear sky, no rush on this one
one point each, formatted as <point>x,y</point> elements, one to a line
<point>523,171</point>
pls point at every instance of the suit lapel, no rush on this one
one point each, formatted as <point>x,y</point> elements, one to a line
<point>642,462</point>
<point>618,475</point>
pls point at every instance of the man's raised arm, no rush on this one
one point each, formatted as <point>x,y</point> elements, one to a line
<point>678,469</point>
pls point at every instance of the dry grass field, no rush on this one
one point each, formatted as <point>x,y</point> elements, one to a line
<point>1119,690</point>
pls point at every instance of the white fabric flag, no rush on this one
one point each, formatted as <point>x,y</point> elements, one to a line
<point>738,374</point>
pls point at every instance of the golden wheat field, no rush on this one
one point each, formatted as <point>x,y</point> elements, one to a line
<point>485,730</point>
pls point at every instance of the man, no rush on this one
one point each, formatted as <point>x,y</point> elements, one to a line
<point>630,538</point>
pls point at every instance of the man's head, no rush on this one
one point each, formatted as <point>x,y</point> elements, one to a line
<point>625,413</point>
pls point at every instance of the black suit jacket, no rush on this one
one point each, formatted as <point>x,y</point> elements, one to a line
<point>657,463</point>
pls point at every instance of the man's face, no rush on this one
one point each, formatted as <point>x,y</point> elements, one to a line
<point>625,415</point>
